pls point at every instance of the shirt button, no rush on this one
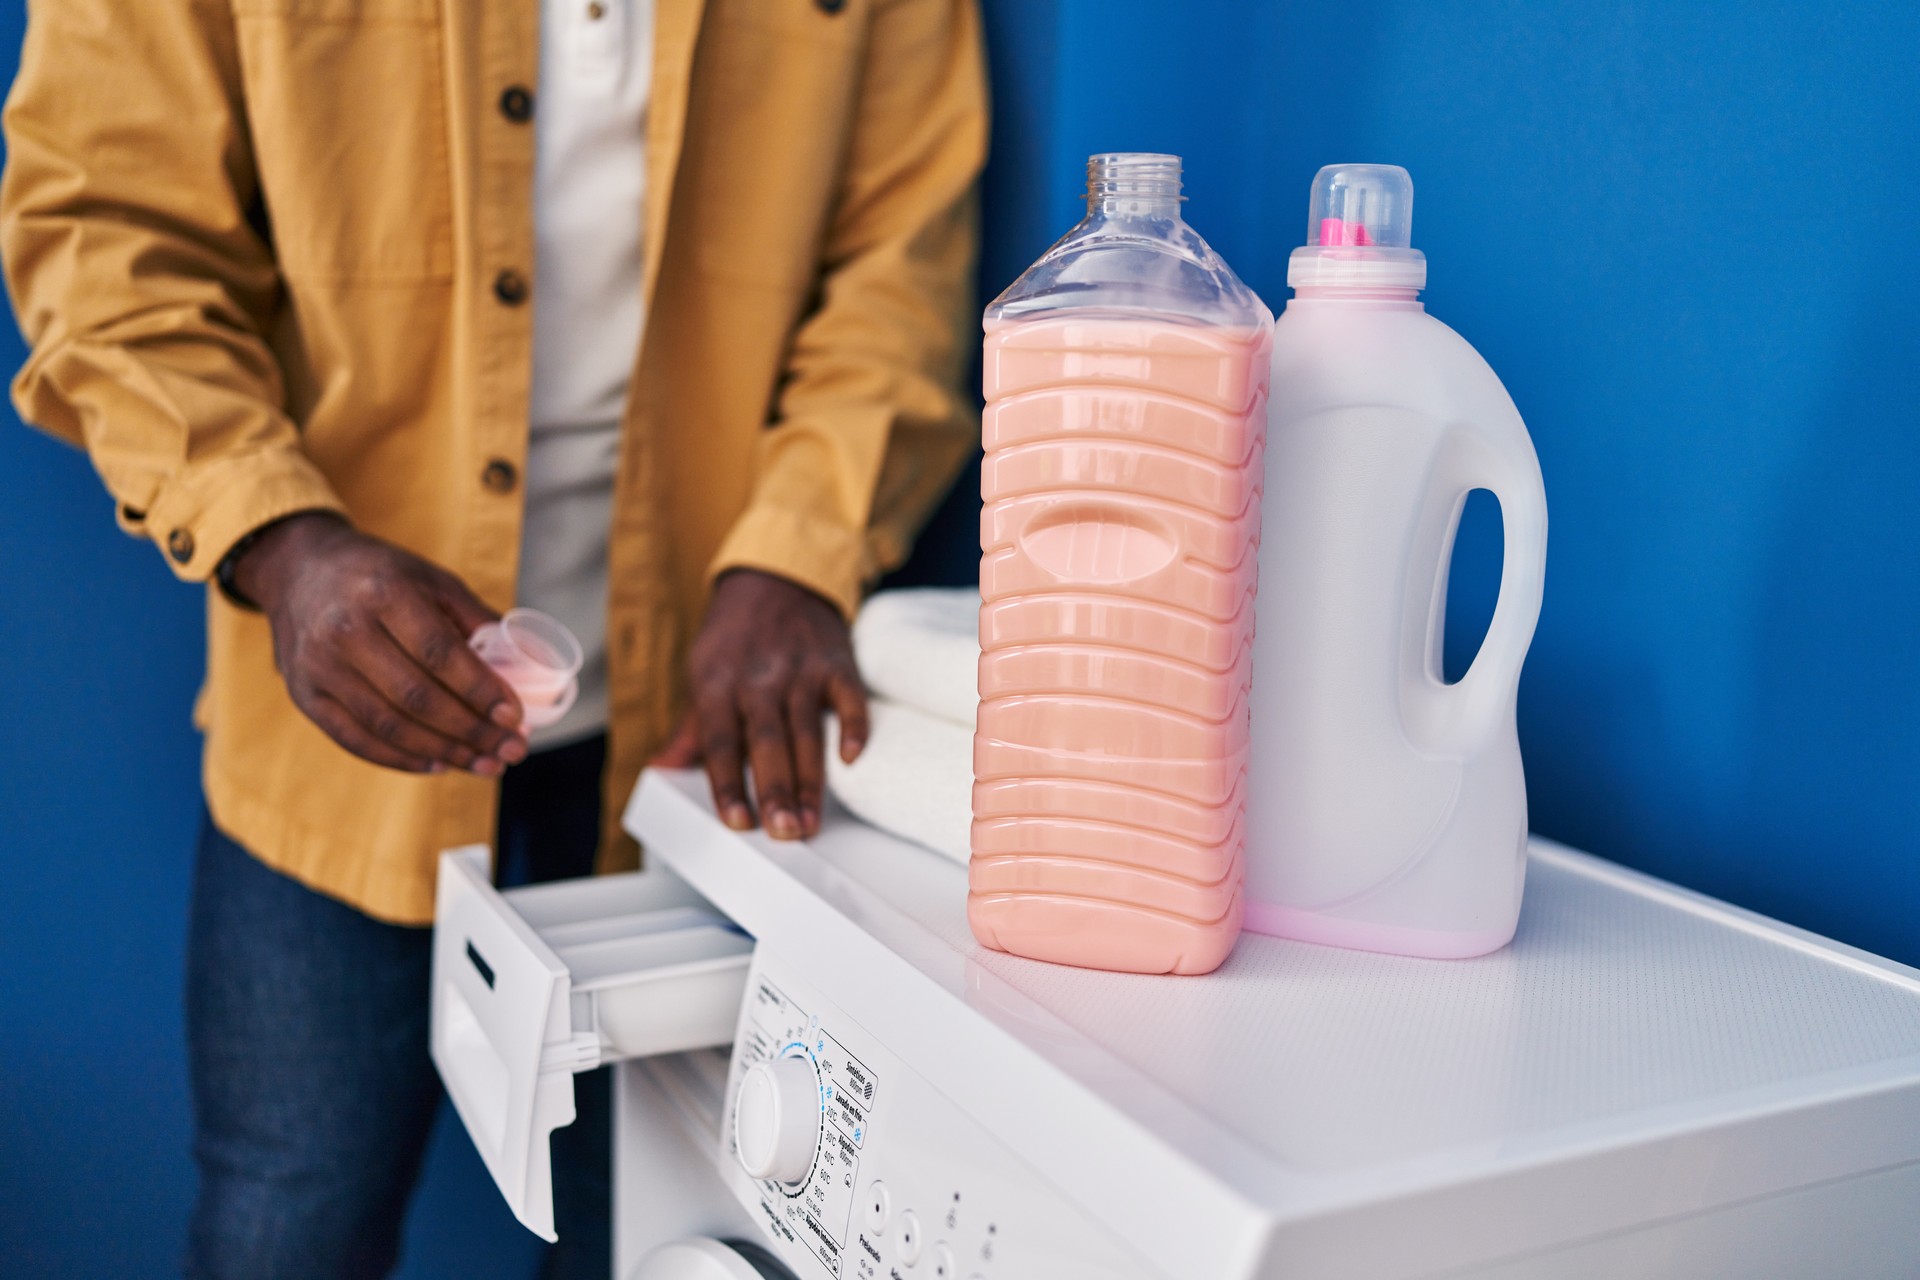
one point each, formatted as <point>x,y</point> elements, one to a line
<point>596,11</point>
<point>180,545</point>
<point>516,104</point>
<point>510,287</point>
<point>500,476</point>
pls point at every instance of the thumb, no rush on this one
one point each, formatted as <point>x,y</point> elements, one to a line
<point>683,748</point>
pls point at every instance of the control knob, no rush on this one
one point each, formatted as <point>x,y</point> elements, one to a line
<point>776,1119</point>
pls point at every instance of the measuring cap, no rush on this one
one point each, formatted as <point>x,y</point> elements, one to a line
<point>539,657</point>
<point>1360,230</point>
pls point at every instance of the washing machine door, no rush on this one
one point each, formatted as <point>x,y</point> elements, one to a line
<point>701,1258</point>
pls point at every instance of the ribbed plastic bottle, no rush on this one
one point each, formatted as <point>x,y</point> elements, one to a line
<point>1389,810</point>
<point>1126,384</point>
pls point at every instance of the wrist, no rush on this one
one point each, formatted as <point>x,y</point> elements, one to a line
<point>255,569</point>
<point>747,581</point>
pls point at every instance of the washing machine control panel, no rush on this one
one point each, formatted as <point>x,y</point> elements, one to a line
<point>798,1115</point>
<point>856,1168</point>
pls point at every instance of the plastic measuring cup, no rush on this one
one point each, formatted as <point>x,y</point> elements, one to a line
<point>539,657</point>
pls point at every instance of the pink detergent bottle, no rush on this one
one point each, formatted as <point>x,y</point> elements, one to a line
<point>1126,383</point>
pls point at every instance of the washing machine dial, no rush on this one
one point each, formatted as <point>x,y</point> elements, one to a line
<point>776,1118</point>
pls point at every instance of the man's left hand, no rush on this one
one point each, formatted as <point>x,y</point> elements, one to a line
<point>770,658</point>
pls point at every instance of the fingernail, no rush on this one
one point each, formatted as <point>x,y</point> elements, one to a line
<point>436,767</point>
<point>505,715</point>
<point>488,767</point>
<point>513,751</point>
<point>850,749</point>
<point>810,821</point>
<point>782,825</point>
<point>737,817</point>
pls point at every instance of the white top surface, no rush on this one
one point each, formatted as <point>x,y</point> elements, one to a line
<point>1307,1081</point>
<point>1609,1004</point>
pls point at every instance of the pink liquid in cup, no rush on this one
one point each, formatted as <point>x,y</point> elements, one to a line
<point>1117,574</point>
<point>538,657</point>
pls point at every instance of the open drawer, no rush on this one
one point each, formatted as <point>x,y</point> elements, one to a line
<point>532,985</point>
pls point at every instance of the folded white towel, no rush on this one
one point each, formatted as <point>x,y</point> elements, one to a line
<point>914,780</point>
<point>920,647</point>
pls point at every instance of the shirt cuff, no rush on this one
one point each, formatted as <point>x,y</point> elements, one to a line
<point>826,558</point>
<point>200,517</point>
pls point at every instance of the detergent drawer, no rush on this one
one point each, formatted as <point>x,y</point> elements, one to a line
<point>533,985</point>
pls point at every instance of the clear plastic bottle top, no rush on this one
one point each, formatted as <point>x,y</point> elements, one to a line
<point>1360,231</point>
<point>1134,255</point>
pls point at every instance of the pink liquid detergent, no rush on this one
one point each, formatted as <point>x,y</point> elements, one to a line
<point>1122,485</point>
<point>538,657</point>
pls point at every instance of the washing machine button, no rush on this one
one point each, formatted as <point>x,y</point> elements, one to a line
<point>909,1241</point>
<point>879,1207</point>
<point>943,1266</point>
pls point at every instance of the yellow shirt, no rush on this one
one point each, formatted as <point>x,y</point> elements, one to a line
<point>273,255</point>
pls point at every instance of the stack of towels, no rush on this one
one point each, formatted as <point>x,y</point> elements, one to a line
<point>919,650</point>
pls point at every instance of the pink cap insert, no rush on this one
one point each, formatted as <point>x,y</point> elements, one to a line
<point>1338,231</point>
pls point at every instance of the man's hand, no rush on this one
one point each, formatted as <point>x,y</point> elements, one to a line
<point>770,658</point>
<point>372,642</point>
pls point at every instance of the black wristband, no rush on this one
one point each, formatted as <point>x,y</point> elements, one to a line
<point>224,571</point>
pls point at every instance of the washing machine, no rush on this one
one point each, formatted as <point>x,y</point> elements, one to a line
<point>820,1075</point>
<point>703,1258</point>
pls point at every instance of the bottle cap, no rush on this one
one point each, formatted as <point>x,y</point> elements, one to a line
<point>1360,230</point>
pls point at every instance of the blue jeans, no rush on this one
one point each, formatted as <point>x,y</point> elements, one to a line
<point>307,1045</point>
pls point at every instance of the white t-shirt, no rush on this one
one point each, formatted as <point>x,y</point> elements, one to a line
<point>589,202</point>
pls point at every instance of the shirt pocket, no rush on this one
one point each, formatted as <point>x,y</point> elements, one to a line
<point>346,101</point>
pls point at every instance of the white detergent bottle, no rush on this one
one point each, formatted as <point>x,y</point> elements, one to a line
<point>1387,810</point>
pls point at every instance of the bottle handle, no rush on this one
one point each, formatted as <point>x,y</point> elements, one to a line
<point>1454,719</point>
<point>1482,695</point>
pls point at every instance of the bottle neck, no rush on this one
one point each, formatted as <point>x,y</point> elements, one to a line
<point>1133,207</point>
<point>1375,297</point>
<point>1133,185</point>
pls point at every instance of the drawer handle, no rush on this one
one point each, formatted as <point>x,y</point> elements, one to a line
<point>485,970</point>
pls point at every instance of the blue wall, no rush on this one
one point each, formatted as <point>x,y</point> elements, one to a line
<point>1679,231</point>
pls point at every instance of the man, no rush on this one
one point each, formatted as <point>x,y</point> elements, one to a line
<point>382,315</point>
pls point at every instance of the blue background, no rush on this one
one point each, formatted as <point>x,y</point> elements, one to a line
<point>1682,232</point>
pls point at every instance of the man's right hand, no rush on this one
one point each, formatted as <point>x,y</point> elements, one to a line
<point>372,642</point>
